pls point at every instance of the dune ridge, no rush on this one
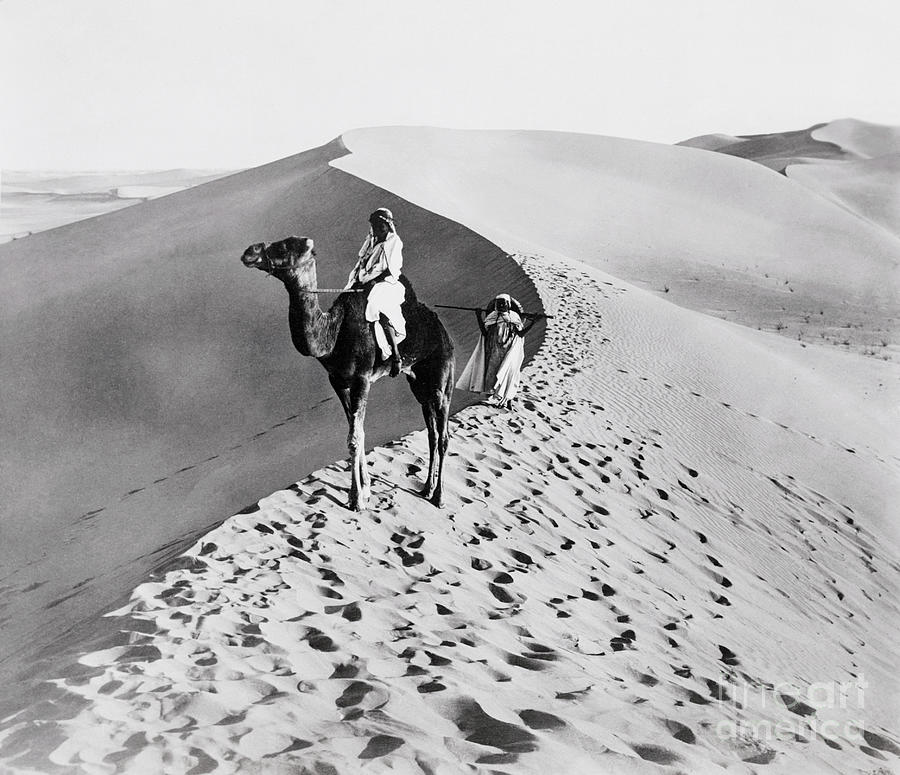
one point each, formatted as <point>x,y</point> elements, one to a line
<point>850,162</point>
<point>614,586</point>
<point>713,233</point>
<point>776,150</point>
<point>863,138</point>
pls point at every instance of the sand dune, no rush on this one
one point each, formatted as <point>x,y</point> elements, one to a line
<point>869,187</point>
<point>711,142</point>
<point>626,204</point>
<point>150,387</point>
<point>615,585</point>
<point>852,163</point>
<point>778,149</point>
<point>36,201</point>
<point>862,138</point>
<point>71,182</point>
<point>714,233</point>
<point>676,555</point>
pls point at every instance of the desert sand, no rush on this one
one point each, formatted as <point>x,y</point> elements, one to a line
<point>856,166</point>
<point>677,554</point>
<point>150,388</point>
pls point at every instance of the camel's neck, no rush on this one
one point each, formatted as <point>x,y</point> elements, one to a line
<point>313,332</point>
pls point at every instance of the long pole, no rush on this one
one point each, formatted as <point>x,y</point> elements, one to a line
<point>477,309</point>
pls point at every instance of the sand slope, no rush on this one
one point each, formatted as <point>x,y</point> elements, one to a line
<point>150,386</point>
<point>868,187</point>
<point>862,138</point>
<point>852,163</point>
<point>643,569</point>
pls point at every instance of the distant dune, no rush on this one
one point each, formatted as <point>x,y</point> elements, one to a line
<point>36,201</point>
<point>868,187</point>
<point>852,163</point>
<point>711,142</point>
<point>776,150</point>
<point>862,138</point>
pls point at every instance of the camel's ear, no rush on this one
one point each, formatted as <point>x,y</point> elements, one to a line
<point>300,246</point>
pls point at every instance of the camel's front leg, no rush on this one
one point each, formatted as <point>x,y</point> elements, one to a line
<point>439,449</point>
<point>356,445</point>
<point>431,427</point>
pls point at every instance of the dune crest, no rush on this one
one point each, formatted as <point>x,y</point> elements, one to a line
<point>863,138</point>
<point>711,232</point>
<point>852,163</point>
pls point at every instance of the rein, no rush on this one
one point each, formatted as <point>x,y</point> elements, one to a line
<point>324,290</point>
<point>333,290</point>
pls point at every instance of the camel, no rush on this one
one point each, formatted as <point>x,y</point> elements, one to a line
<point>344,343</point>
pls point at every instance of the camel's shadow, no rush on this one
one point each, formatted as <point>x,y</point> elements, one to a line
<point>394,486</point>
<point>334,493</point>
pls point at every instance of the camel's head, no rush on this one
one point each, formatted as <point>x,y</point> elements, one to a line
<point>291,257</point>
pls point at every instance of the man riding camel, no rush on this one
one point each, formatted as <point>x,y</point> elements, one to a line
<point>379,265</point>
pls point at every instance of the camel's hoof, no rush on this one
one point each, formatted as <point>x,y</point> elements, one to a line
<point>437,500</point>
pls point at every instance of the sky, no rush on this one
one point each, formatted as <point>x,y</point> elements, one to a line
<point>228,84</point>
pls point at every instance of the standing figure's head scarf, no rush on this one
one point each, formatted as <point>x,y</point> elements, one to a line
<point>512,314</point>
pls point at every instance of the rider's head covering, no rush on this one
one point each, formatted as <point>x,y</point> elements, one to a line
<point>385,215</point>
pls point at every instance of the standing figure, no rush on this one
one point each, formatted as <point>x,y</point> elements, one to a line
<point>496,362</point>
<point>379,265</point>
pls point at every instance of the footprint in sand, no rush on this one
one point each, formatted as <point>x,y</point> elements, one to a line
<point>881,742</point>
<point>380,745</point>
<point>680,731</point>
<point>482,729</point>
<point>656,754</point>
<point>536,719</point>
<point>353,694</point>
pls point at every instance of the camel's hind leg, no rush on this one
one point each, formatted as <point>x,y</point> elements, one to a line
<point>433,388</point>
<point>430,415</point>
<point>442,421</point>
